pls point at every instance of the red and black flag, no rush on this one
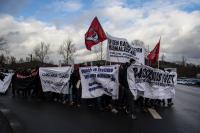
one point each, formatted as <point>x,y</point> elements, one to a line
<point>95,34</point>
<point>154,54</point>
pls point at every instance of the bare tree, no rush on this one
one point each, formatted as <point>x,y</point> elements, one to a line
<point>141,44</point>
<point>137,43</point>
<point>163,57</point>
<point>12,60</point>
<point>2,59</point>
<point>7,59</point>
<point>21,60</point>
<point>3,42</point>
<point>30,57</point>
<point>41,51</point>
<point>67,50</point>
<point>97,51</point>
<point>184,61</point>
<point>3,45</point>
<point>27,59</point>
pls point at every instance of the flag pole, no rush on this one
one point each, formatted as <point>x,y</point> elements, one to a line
<point>101,51</point>
<point>159,53</point>
<point>148,61</point>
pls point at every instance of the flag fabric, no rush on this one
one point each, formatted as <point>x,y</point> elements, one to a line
<point>154,54</point>
<point>95,34</point>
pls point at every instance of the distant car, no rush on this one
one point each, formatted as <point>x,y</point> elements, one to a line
<point>11,71</point>
<point>188,81</point>
<point>182,81</point>
<point>195,81</point>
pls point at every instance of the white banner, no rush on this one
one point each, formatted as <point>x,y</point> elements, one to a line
<point>119,50</point>
<point>151,83</point>
<point>5,79</point>
<point>97,81</point>
<point>55,79</point>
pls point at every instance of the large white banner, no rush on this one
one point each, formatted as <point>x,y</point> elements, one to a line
<point>119,50</point>
<point>5,79</point>
<point>97,81</point>
<point>150,82</point>
<point>55,79</point>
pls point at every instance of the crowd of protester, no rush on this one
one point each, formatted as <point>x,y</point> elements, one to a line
<point>126,103</point>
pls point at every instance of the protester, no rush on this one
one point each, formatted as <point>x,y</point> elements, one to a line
<point>121,100</point>
<point>77,88</point>
<point>169,100</point>
<point>129,98</point>
<point>13,84</point>
<point>37,92</point>
<point>126,100</point>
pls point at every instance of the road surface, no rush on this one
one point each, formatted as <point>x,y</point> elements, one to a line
<point>50,117</point>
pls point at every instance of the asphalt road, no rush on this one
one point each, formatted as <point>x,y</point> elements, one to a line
<point>4,124</point>
<point>50,117</point>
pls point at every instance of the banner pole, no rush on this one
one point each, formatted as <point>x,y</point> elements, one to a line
<point>148,61</point>
<point>159,52</point>
<point>101,51</point>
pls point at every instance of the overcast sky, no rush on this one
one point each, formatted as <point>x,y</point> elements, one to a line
<point>25,23</point>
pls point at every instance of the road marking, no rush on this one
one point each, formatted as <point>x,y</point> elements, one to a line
<point>4,110</point>
<point>14,124</point>
<point>154,113</point>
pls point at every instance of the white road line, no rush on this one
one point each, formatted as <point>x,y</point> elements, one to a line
<point>154,113</point>
<point>14,124</point>
<point>4,110</point>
